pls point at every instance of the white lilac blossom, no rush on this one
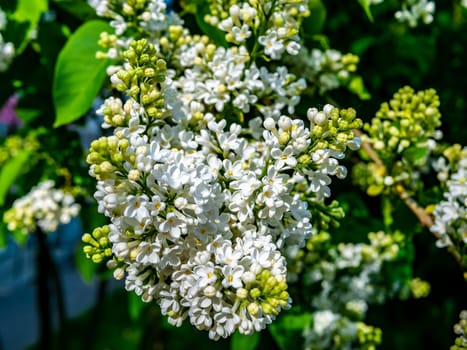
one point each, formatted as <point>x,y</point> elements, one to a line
<point>207,78</point>
<point>201,211</point>
<point>347,279</point>
<point>276,24</point>
<point>148,15</point>
<point>413,11</point>
<point>7,49</point>
<point>460,329</point>
<point>450,224</point>
<point>202,203</point>
<point>326,70</point>
<point>44,208</point>
<point>225,78</point>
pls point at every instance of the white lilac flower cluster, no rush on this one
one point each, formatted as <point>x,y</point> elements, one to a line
<point>207,77</point>
<point>325,70</point>
<point>350,279</point>
<point>276,23</point>
<point>413,11</point>
<point>460,329</point>
<point>217,77</point>
<point>332,330</point>
<point>44,208</point>
<point>7,49</point>
<point>147,14</point>
<point>450,215</point>
<point>200,210</point>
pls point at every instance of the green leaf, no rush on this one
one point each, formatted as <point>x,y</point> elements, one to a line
<point>78,8</point>
<point>415,154</point>
<point>3,236</point>
<point>85,266</point>
<point>216,35</point>
<point>28,114</point>
<point>357,86</point>
<point>28,11</point>
<point>10,172</point>
<point>366,7</point>
<point>314,23</point>
<point>79,75</point>
<point>244,342</point>
<point>360,46</point>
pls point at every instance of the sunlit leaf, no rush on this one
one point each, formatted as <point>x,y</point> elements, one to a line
<point>28,11</point>
<point>357,86</point>
<point>415,154</point>
<point>216,35</point>
<point>366,7</point>
<point>10,171</point>
<point>79,75</point>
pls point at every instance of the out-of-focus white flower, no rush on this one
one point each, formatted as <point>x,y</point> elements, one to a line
<point>44,207</point>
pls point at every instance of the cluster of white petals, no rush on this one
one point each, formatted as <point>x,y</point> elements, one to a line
<point>200,218</point>
<point>414,11</point>
<point>349,280</point>
<point>226,77</point>
<point>276,22</point>
<point>44,207</point>
<point>450,215</point>
<point>326,70</point>
<point>203,204</point>
<point>148,15</point>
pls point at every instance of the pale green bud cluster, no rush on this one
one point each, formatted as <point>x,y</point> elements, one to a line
<point>267,294</point>
<point>327,216</point>
<point>97,245</point>
<point>15,144</point>
<point>140,81</point>
<point>408,119</point>
<point>461,330</point>
<point>107,156</point>
<point>368,336</point>
<point>403,134</point>
<point>419,288</point>
<point>333,128</point>
<point>109,42</point>
<point>115,114</point>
